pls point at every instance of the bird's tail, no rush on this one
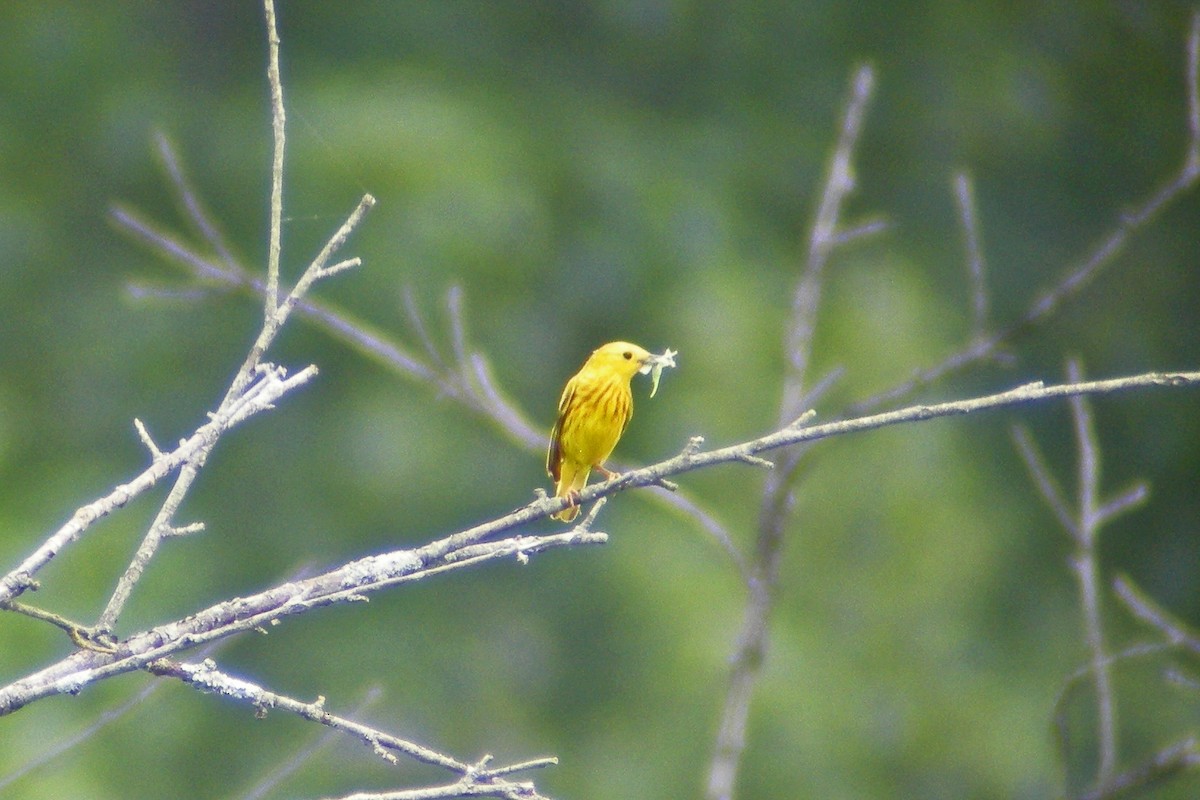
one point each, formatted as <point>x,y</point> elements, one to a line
<point>570,482</point>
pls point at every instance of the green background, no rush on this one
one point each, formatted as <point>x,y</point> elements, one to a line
<point>586,172</point>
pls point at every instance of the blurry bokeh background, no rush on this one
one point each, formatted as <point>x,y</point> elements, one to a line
<point>586,172</point>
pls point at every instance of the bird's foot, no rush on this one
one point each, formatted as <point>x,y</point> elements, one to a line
<point>572,510</point>
<point>608,474</point>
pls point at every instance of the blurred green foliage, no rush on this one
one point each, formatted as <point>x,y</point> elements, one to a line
<point>587,172</point>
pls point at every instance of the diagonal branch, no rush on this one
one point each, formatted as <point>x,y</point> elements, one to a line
<point>349,583</point>
<point>353,581</point>
<point>1149,612</point>
<point>1051,492</point>
<point>964,193</point>
<point>271,782</point>
<point>476,778</point>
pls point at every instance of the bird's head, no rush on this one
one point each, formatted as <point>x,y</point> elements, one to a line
<point>622,358</point>
<point>626,360</point>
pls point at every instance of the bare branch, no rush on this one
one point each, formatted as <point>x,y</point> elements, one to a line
<point>964,193</point>
<point>1131,498</point>
<point>191,202</point>
<point>746,458</point>
<point>354,580</point>
<point>144,435</point>
<point>1047,485</point>
<point>269,783</point>
<point>417,321</point>
<point>241,392</point>
<point>184,530</point>
<point>169,246</point>
<point>1087,572</point>
<point>278,119</point>
<point>207,678</point>
<point>1145,609</point>
<point>458,325</point>
<point>461,788</point>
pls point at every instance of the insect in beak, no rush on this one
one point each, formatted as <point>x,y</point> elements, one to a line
<point>655,364</point>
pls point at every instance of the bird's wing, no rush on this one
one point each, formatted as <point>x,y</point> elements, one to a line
<point>554,453</point>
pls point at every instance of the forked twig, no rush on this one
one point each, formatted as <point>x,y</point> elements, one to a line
<point>1083,523</point>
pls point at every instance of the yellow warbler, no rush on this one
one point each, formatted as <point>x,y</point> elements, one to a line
<point>595,407</point>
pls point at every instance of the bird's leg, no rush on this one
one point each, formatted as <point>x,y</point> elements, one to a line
<point>607,473</point>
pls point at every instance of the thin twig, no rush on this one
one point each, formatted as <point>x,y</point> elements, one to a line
<point>191,202</point>
<point>1083,524</point>
<point>417,321</point>
<point>1087,571</point>
<point>964,194</point>
<point>1145,609</point>
<point>147,440</point>
<point>1044,480</point>
<point>284,770</point>
<point>79,634</point>
<point>278,119</point>
<point>462,788</point>
<point>207,678</point>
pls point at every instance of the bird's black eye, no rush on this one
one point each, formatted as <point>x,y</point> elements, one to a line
<point>628,355</point>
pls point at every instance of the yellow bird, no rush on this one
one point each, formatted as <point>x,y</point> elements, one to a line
<point>596,406</point>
